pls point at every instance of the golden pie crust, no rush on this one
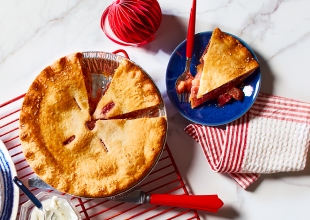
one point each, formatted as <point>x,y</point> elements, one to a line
<point>226,60</point>
<point>130,90</point>
<point>66,153</point>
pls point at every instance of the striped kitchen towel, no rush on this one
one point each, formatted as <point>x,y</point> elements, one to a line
<point>273,136</point>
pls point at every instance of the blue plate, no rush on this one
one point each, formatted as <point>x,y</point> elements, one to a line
<point>208,113</point>
<point>9,192</point>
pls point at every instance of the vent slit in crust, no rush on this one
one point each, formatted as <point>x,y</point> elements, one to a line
<point>104,146</point>
<point>69,140</point>
<point>108,107</point>
<point>77,104</point>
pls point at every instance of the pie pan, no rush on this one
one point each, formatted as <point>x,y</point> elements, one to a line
<point>99,62</point>
<point>132,156</point>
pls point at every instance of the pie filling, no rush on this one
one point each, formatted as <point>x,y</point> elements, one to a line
<point>90,125</point>
<point>150,112</point>
<point>69,140</point>
<point>108,107</point>
<point>186,85</point>
<point>223,94</point>
<point>104,146</point>
<point>77,104</point>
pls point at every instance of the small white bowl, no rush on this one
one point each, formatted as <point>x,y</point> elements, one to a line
<point>27,208</point>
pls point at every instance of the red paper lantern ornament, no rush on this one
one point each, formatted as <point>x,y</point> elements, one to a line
<point>133,22</point>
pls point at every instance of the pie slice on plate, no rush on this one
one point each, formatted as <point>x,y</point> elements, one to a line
<point>130,91</point>
<point>225,64</point>
<point>72,152</point>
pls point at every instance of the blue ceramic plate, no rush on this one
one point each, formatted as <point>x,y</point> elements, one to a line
<point>208,113</point>
<point>9,193</point>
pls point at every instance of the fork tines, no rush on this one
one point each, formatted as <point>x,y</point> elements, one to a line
<point>184,97</point>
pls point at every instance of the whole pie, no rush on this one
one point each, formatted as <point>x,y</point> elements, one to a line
<point>78,152</point>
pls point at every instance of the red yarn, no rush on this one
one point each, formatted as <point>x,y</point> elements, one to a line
<point>135,21</point>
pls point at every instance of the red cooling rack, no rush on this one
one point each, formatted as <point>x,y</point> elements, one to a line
<point>165,178</point>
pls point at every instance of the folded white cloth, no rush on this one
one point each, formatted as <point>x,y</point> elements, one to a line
<point>273,136</point>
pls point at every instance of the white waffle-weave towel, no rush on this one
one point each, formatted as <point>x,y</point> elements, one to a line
<point>273,136</point>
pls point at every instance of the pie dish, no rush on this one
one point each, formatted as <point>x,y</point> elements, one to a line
<point>209,113</point>
<point>9,192</point>
<point>74,151</point>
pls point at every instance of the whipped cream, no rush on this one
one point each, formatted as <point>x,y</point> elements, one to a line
<point>56,209</point>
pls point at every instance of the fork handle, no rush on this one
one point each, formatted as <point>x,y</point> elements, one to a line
<point>191,31</point>
<point>30,195</point>
<point>209,203</point>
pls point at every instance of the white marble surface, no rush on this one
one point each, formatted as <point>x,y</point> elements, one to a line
<point>34,33</point>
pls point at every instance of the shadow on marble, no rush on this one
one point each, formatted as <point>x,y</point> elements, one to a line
<point>268,77</point>
<point>179,142</point>
<point>256,184</point>
<point>169,35</point>
<point>226,212</point>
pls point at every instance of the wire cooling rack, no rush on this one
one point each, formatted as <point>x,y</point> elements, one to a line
<point>165,178</point>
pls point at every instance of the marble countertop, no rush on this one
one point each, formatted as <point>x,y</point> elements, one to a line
<point>35,33</point>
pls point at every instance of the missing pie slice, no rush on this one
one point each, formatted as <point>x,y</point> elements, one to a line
<point>129,92</point>
<point>76,154</point>
<point>224,65</point>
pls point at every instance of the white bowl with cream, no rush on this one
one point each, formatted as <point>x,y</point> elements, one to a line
<point>56,206</point>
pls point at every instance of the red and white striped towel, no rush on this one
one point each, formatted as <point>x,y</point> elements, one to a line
<point>273,136</point>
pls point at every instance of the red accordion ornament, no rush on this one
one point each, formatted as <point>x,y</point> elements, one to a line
<point>134,22</point>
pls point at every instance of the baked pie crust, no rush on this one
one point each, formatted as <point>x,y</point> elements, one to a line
<point>101,160</point>
<point>129,91</point>
<point>225,64</point>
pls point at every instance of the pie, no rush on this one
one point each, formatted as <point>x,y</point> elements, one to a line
<point>224,65</point>
<point>129,92</point>
<point>76,153</point>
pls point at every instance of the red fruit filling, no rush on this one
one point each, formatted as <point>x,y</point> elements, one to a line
<point>107,108</point>
<point>90,125</point>
<point>69,140</point>
<point>185,85</point>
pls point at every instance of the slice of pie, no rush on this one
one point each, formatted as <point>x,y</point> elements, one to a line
<point>72,152</point>
<point>225,64</point>
<point>130,91</point>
